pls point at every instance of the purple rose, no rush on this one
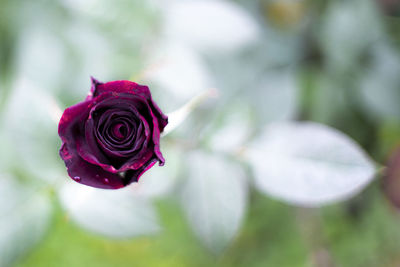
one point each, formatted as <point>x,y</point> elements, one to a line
<point>113,137</point>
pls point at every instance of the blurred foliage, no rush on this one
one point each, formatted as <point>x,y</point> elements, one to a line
<point>272,235</point>
<point>266,245</point>
<point>335,62</point>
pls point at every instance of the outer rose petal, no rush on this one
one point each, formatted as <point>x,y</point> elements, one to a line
<point>92,88</point>
<point>136,174</point>
<point>133,88</point>
<point>88,174</point>
<point>72,119</point>
<point>122,87</point>
<point>161,117</point>
<point>92,175</point>
<point>138,161</point>
<point>156,139</point>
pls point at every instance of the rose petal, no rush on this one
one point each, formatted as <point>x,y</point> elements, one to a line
<point>161,117</point>
<point>134,88</point>
<point>88,174</point>
<point>122,87</point>
<point>92,88</point>
<point>138,161</point>
<point>72,120</point>
<point>156,139</point>
<point>134,175</point>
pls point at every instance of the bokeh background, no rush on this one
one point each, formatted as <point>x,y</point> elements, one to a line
<point>240,79</point>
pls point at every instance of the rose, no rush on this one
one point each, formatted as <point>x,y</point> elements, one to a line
<point>113,137</point>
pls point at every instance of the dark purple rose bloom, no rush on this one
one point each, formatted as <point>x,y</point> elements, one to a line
<point>113,137</point>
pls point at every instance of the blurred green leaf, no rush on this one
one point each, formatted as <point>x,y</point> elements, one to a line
<point>348,29</point>
<point>380,86</point>
<point>368,236</point>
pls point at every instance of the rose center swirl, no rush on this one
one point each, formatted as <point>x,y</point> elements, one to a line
<point>119,130</point>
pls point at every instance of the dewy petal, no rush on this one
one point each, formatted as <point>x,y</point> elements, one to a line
<point>72,121</point>
<point>88,174</point>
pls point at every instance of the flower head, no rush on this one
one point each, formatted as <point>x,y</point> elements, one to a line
<point>113,137</point>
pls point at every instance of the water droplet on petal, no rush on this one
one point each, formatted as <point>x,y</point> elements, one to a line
<point>77,178</point>
<point>106,180</point>
<point>97,176</point>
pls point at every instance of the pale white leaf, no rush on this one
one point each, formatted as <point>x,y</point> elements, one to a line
<point>114,213</point>
<point>160,181</point>
<point>276,96</point>
<point>94,60</point>
<point>7,152</point>
<point>178,71</point>
<point>210,25</point>
<point>230,136</point>
<point>214,198</point>
<point>176,117</point>
<point>88,6</point>
<point>308,164</point>
<point>233,130</point>
<point>33,60</point>
<point>24,218</point>
<point>31,119</point>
